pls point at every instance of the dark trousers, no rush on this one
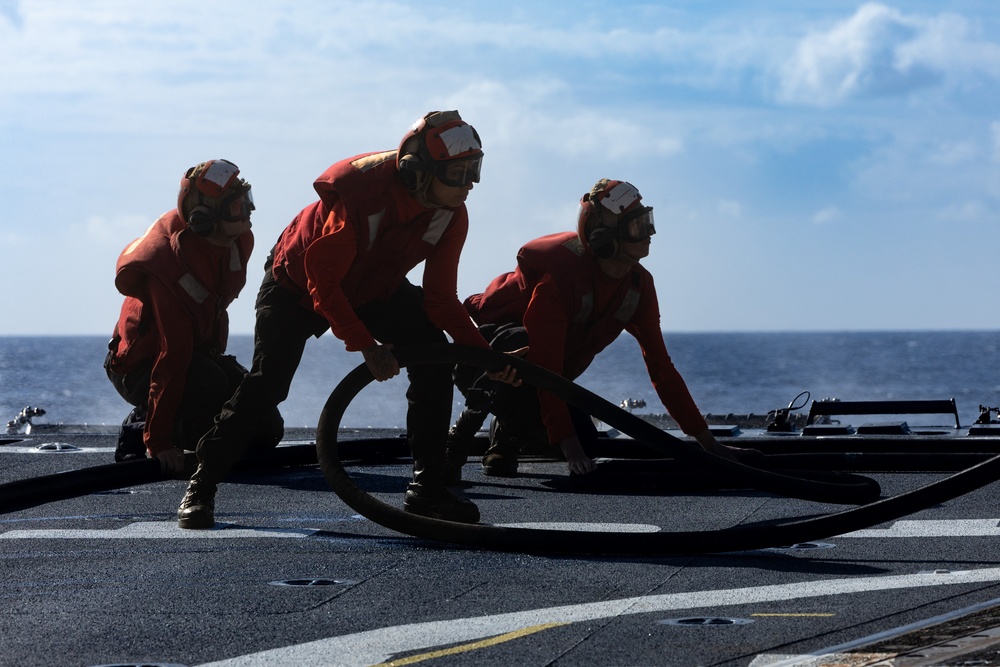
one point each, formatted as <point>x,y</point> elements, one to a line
<point>210,381</point>
<point>517,409</point>
<point>283,326</point>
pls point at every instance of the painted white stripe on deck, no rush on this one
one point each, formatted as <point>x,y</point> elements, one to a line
<point>152,530</point>
<point>934,528</point>
<point>375,646</point>
<point>587,527</point>
<point>7,449</point>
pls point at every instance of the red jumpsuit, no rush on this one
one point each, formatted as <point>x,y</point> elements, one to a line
<point>357,243</point>
<point>177,288</point>
<point>571,311</point>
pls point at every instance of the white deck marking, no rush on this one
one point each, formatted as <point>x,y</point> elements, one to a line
<point>934,528</point>
<point>169,529</point>
<point>7,449</point>
<point>587,527</point>
<point>376,646</point>
<point>152,530</point>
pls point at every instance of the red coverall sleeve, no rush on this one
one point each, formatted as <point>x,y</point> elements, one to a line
<point>666,379</point>
<point>327,261</point>
<point>440,284</point>
<point>547,325</point>
<point>169,373</point>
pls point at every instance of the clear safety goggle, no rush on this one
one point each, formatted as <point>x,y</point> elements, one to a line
<point>237,206</point>
<point>637,226</point>
<point>459,173</point>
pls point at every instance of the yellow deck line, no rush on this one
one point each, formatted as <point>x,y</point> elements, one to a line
<point>464,648</point>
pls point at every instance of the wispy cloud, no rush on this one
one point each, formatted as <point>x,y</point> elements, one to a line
<point>748,118</point>
<point>880,51</point>
<point>827,215</point>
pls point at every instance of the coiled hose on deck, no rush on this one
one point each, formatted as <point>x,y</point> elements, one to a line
<point>820,487</point>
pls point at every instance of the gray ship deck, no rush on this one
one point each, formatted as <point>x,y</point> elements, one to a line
<point>292,576</point>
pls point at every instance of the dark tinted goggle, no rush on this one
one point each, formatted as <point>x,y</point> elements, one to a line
<point>237,206</point>
<point>637,226</point>
<point>459,173</point>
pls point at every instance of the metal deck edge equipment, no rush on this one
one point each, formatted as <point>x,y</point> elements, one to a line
<point>823,487</point>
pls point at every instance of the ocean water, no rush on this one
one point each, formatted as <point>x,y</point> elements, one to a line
<point>726,373</point>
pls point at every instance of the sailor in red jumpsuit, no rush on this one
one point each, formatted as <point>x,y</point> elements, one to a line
<point>167,355</point>
<point>570,296</point>
<point>342,264</point>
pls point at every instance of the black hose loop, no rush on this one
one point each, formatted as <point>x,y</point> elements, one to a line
<point>820,487</point>
<point>741,538</point>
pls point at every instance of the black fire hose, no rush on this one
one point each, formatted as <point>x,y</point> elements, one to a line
<point>26,493</point>
<point>789,531</point>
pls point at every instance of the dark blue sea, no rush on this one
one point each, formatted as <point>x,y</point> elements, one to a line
<point>726,373</point>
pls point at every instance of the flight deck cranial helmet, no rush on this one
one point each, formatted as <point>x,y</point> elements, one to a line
<point>442,145</point>
<point>612,212</point>
<point>212,192</point>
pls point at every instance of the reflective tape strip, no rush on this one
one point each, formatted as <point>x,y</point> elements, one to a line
<point>374,220</point>
<point>194,288</point>
<point>235,263</point>
<point>628,307</point>
<point>459,139</point>
<point>586,306</point>
<point>439,223</point>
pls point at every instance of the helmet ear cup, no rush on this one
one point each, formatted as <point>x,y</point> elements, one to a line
<point>201,220</point>
<point>412,171</point>
<point>604,242</point>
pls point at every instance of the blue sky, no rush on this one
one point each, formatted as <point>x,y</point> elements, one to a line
<point>813,165</point>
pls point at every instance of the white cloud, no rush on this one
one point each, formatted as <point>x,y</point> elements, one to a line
<point>880,51</point>
<point>826,215</point>
<point>730,208</point>
<point>995,131</point>
<point>965,211</point>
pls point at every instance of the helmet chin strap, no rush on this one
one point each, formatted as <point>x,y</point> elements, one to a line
<point>627,258</point>
<point>422,194</point>
<point>618,265</point>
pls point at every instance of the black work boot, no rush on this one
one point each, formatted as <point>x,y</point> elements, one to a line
<point>426,494</point>
<point>437,502</point>
<point>197,509</point>
<point>218,450</point>
<point>500,459</point>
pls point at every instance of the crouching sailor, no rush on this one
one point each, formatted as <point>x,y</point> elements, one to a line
<point>571,295</point>
<point>167,355</point>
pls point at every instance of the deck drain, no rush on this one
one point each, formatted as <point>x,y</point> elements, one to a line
<point>311,583</point>
<point>702,621</point>
<point>56,447</point>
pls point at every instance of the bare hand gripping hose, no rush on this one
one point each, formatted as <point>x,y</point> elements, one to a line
<point>824,488</point>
